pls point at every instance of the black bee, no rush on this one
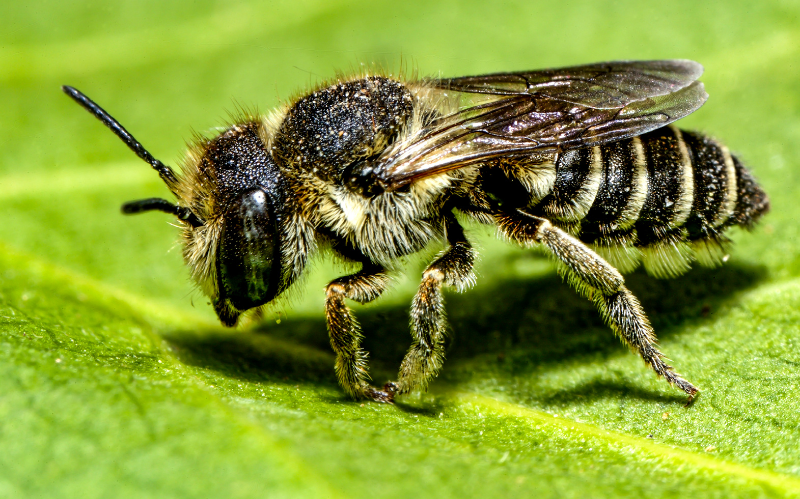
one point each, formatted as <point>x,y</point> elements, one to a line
<point>582,161</point>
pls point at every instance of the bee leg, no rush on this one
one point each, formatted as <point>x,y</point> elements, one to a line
<point>598,280</point>
<point>428,320</point>
<point>345,333</point>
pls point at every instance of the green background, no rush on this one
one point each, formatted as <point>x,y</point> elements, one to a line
<point>116,381</point>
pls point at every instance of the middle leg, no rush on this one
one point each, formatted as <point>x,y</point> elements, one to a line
<point>428,320</point>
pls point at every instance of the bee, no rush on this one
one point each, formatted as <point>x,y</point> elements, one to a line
<point>582,161</point>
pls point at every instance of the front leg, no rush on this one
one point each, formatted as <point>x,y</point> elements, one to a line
<point>345,333</point>
<point>428,321</point>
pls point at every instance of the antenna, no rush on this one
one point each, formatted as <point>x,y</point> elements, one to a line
<point>149,204</point>
<point>164,171</point>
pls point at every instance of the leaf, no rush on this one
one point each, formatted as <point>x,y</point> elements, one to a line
<point>116,379</point>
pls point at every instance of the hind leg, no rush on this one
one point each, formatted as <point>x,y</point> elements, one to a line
<point>595,278</point>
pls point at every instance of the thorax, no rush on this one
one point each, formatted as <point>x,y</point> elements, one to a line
<point>383,227</point>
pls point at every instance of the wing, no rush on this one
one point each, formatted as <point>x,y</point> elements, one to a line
<point>542,112</point>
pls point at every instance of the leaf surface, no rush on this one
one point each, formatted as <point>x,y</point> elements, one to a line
<point>116,379</point>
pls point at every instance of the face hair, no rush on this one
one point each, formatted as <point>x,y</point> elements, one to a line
<point>164,171</point>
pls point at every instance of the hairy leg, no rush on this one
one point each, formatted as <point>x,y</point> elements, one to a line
<point>345,333</point>
<point>595,278</point>
<point>428,320</point>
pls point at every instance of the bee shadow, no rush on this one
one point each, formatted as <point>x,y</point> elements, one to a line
<point>524,324</point>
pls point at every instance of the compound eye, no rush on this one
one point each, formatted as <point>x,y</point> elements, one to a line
<point>249,259</point>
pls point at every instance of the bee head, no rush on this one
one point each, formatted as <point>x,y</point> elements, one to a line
<point>230,200</point>
<point>238,187</point>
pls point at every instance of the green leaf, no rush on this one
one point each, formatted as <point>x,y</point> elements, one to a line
<point>117,381</point>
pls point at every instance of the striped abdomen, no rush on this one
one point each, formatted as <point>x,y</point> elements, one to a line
<point>655,197</point>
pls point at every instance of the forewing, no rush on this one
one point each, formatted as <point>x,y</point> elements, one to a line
<point>544,111</point>
<point>605,85</point>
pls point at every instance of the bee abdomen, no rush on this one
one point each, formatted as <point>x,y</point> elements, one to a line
<point>723,193</point>
<point>664,197</point>
<point>751,200</point>
<point>624,189</point>
<point>578,177</point>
